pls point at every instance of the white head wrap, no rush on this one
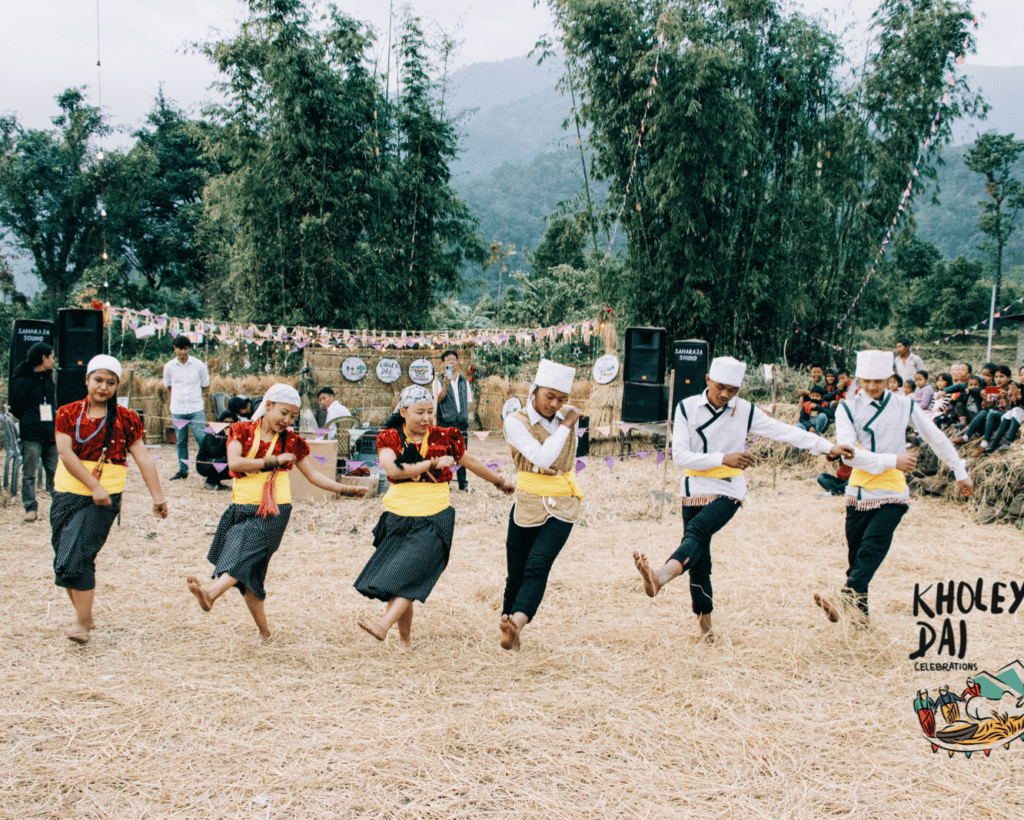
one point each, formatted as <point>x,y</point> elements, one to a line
<point>727,370</point>
<point>104,362</point>
<point>414,394</point>
<point>554,375</point>
<point>874,364</point>
<point>278,392</point>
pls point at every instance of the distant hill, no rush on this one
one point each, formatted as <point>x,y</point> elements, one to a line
<point>1004,90</point>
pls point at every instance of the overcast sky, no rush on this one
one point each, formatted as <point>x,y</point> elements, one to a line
<point>52,44</point>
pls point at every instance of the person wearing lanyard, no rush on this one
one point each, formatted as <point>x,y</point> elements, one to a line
<point>32,402</point>
<point>94,437</point>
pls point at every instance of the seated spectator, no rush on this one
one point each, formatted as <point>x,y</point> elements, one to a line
<point>1009,425</point>
<point>814,412</point>
<point>895,383</point>
<point>988,374</point>
<point>239,409</point>
<point>831,386</point>
<point>923,390</point>
<point>996,400</point>
<point>335,410</point>
<point>908,388</point>
<point>817,380</point>
<point>835,484</point>
<point>212,458</point>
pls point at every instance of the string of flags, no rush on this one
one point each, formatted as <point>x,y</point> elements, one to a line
<point>902,209</point>
<point>838,348</point>
<point>983,323</point>
<point>144,323</point>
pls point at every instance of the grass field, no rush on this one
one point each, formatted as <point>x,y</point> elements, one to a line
<point>611,710</point>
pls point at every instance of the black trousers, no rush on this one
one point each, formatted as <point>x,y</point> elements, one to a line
<point>868,538</point>
<point>694,553</point>
<point>530,552</point>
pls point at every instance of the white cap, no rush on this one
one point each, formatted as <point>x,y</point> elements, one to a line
<point>104,362</point>
<point>554,375</point>
<point>874,364</point>
<point>278,392</point>
<point>727,370</point>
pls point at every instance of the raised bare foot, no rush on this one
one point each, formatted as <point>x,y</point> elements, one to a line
<point>195,586</point>
<point>830,610</point>
<point>509,633</point>
<point>79,633</point>
<point>374,628</point>
<point>651,585</point>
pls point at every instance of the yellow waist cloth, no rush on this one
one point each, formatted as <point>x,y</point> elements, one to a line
<point>549,485</point>
<point>716,472</point>
<point>112,478</point>
<point>249,489</point>
<point>891,479</point>
<point>416,498</point>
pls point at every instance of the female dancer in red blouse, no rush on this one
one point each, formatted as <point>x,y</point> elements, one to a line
<point>94,437</point>
<point>413,537</point>
<point>251,528</point>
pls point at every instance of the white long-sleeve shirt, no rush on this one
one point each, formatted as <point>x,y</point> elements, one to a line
<point>703,435</point>
<point>542,455</point>
<point>880,428</point>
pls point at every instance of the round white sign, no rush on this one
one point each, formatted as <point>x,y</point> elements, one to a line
<point>353,368</point>
<point>388,370</point>
<point>513,405</point>
<point>606,368</point>
<point>421,371</point>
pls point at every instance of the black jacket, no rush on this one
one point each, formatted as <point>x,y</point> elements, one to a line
<point>27,393</point>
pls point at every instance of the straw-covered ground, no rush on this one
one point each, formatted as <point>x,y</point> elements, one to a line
<point>611,709</point>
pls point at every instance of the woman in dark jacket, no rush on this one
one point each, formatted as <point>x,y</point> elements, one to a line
<point>33,402</point>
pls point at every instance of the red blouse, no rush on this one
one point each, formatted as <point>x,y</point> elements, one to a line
<point>441,441</point>
<point>288,442</point>
<point>127,430</point>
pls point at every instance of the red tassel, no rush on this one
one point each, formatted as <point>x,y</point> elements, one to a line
<point>268,506</point>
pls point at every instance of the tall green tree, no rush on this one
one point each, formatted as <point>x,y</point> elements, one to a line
<point>766,181</point>
<point>50,193</point>
<point>993,156</point>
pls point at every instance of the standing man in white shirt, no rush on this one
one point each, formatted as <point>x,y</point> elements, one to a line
<point>907,363</point>
<point>187,380</point>
<point>335,410</point>
<point>454,397</point>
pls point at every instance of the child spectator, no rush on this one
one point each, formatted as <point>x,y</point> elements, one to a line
<point>924,391</point>
<point>908,388</point>
<point>895,383</point>
<point>815,412</point>
<point>1009,425</point>
<point>831,386</point>
<point>817,380</point>
<point>996,400</point>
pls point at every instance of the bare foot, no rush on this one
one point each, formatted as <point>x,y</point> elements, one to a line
<point>264,638</point>
<point>706,638</point>
<point>374,628</point>
<point>509,633</point>
<point>404,646</point>
<point>79,633</point>
<point>831,612</point>
<point>195,586</point>
<point>651,585</point>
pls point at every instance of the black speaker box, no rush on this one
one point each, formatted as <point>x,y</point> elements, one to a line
<point>646,349</point>
<point>690,365</point>
<point>583,442</point>
<point>70,385</point>
<point>644,403</point>
<point>27,332</point>
<point>79,336</point>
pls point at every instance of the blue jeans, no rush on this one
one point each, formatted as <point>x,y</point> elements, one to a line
<point>34,453</point>
<point>819,423</point>
<point>197,424</point>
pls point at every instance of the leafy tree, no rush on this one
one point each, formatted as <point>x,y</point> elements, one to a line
<point>767,180</point>
<point>49,193</point>
<point>993,156</point>
<point>562,245</point>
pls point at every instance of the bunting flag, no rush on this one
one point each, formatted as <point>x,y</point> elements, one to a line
<point>625,428</point>
<point>642,454</point>
<point>354,464</point>
<point>609,463</point>
<point>660,458</point>
<point>580,465</point>
<point>481,434</point>
<point>604,431</point>
<point>978,325</point>
<point>321,459</point>
<point>216,426</point>
<point>220,466</point>
<point>321,431</point>
<point>179,423</point>
<point>580,432</point>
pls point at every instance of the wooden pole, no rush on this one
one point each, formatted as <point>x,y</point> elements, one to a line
<point>775,461</point>
<point>668,439</point>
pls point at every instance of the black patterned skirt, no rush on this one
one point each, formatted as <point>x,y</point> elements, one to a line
<point>243,544</point>
<point>411,553</point>
<point>80,530</point>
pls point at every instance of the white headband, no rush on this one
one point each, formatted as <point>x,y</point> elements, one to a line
<point>278,392</point>
<point>104,362</point>
<point>414,394</point>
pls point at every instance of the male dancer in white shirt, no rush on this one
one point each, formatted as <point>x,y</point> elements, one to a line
<point>709,440</point>
<point>873,424</point>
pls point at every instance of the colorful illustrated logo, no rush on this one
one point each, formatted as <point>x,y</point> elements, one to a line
<point>353,368</point>
<point>987,714</point>
<point>421,371</point>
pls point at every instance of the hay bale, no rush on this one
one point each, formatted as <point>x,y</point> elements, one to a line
<point>491,395</point>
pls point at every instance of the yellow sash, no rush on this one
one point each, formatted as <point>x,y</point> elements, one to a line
<point>249,488</point>
<point>716,472</point>
<point>549,485</point>
<point>112,479</point>
<point>891,479</point>
<point>416,498</point>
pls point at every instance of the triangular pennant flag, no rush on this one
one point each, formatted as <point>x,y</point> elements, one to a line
<point>353,464</point>
<point>934,748</point>
<point>321,431</point>
<point>968,754</point>
<point>580,465</point>
<point>987,752</point>
<point>179,423</point>
<point>642,454</point>
<point>625,428</point>
<point>481,434</point>
<point>220,466</point>
<point>218,425</point>
<point>321,459</point>
<point>581,431</point>
<point>604,431</point>
<point>660,458</point>
<point>609,463</point>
